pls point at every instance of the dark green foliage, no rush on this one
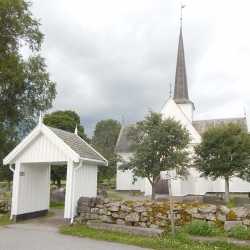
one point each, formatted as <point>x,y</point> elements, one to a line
<point>25,86</point>
<point>103,141</point>
<point>159,145</point>
<point>224,152</point>
<point>66,120</point>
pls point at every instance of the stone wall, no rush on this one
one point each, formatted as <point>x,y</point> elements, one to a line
<point>153,214</point>
<point>5,206</point>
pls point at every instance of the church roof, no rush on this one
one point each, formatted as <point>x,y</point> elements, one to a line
<point>123,143</point>
<point>181,88</point>
<point>202,125</point>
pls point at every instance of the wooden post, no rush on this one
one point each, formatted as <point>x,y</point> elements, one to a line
<point>171,207</point>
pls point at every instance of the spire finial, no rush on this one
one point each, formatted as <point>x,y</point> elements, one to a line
<point>170,89</point>
<point>122,119</point>
<point>245,114</point>
<point>182,6</point>
<point>76,130</point>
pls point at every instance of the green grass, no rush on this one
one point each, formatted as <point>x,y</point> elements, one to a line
<point>58,205</point>
<point>114,196</point>
<point>181,241</point>
<point>202,228</point>
<point>5,220</point>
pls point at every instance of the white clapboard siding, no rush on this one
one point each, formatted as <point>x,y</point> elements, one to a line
<point>42,149</point>
<point>33,188</point>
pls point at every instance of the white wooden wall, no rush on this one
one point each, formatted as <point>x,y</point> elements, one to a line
<point>32,190</point>
<point>42,150</point>
<point>85,182</point>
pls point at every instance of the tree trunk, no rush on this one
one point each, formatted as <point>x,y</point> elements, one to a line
<point>153,192</point>
<point>227,194</point>
<point>58,181</point>
<point>109,180</point>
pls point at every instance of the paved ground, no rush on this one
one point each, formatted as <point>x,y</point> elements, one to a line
<point>41,234</point>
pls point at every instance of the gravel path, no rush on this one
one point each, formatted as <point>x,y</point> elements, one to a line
<point>41,234</point>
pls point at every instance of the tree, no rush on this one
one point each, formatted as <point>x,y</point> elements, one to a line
<point>66,120</point>
<point>159,145</point>
<point>104,140</point>
<point>25,86</point>
<point>224,153</point>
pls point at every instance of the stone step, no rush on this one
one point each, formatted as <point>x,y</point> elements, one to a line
<point>126,229</point>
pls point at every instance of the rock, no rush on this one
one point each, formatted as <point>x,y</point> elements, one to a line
<point>246,222</point>
<point>104,194</point>
<point>197,216</point>
<point>92,202</point>
<point>83,209</point>
<point>107,218</point>
<point>221,217</point>
<point>193,210</point>
<point>137,204</point>
<point>83,201</point>
<point>241,212</point>
<point>120,215</point>
<point>140,209</point>
<point>210,216</point>
<point>142,224</point>
<point>126,208</point>
<point>208,209</point>
<point>229,224</point>
<point>113,208</point>
<point>224,210</point>
<point>57,196</point>
<point>154,226</point>
<point>120,222</point>
<point>95,210</point>
<point>2,193</point>
<point>133,217</point>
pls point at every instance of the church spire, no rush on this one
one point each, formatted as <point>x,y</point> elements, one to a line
<point>180,88</point>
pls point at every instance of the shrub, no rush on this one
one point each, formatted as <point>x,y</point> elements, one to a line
<point>199,227</point>
<point>240,232</point>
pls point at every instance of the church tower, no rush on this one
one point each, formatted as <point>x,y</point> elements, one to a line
<point>181,88</point>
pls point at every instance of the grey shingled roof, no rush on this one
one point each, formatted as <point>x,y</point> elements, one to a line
<point>202,125</point>
<point>123,143</point>
<point>77,144</point>
<point>181,88</point>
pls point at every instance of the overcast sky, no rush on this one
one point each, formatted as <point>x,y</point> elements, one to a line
<point>117,58</point>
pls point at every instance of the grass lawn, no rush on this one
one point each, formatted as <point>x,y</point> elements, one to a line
<point>181,241</point>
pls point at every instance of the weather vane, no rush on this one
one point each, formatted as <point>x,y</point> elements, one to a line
<point>182,6</point>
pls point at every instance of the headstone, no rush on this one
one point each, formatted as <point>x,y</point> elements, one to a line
<point>57,196</point>
<point>104,194</point>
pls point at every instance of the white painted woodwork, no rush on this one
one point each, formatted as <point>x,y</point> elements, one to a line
<point>42,149</point>
<point>33,157</point>
<point>33,189</point>
<point>187,109</point>
<point>171,110</point>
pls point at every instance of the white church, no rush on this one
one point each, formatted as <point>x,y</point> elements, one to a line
<point>180,108</point>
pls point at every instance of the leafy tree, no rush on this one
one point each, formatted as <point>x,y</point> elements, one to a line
<point>224,153</point>
<point>104,140</point>
<point>159,145</point>
<point>65,120</point>
<point>25,86</point>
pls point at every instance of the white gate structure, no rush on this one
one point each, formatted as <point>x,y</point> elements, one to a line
<point>31,164</point>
